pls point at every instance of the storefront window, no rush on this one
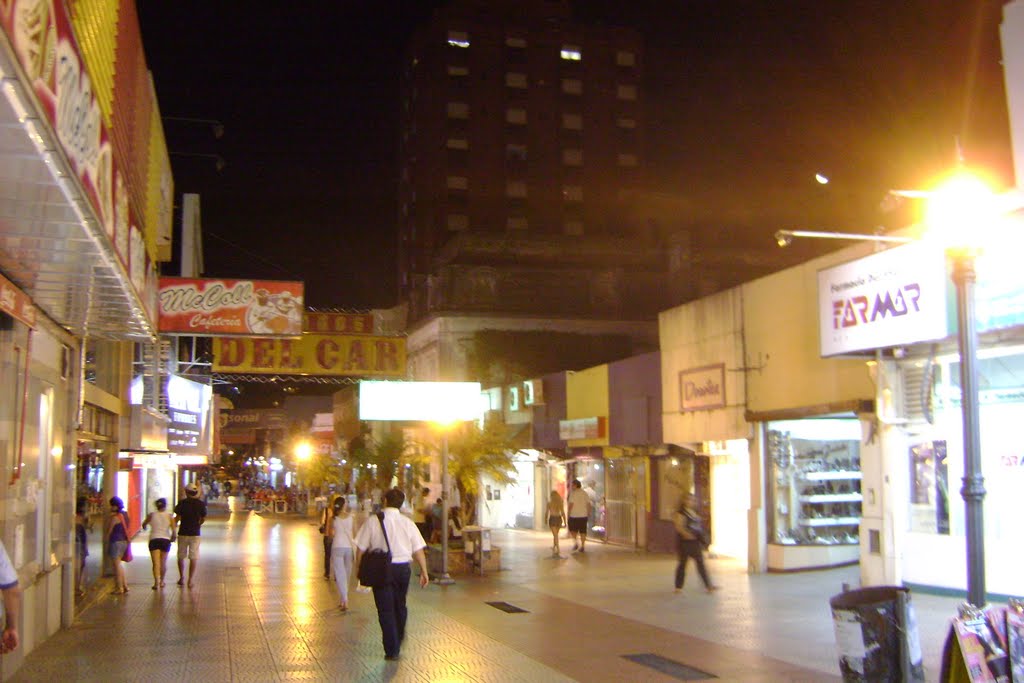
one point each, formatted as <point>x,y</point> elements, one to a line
<point>814,484</point>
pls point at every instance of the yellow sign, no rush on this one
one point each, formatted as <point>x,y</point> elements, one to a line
<point>311,354</point>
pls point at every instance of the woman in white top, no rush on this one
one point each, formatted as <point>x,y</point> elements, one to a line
<point>342,533</point>
<point>160,537</point>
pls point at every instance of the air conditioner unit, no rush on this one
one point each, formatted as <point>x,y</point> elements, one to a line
<point>533,392</point>
<point>513,398</point>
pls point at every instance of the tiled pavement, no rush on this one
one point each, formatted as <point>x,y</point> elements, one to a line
<point>262,612</point>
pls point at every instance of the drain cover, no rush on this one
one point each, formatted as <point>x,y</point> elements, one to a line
<point>505,607</point>
<point>670,667</point>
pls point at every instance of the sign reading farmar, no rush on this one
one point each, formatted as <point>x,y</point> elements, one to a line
<point>892,298</point>
<point>311,354</point>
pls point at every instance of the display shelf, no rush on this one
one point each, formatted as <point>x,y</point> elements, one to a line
<point>830,476</point>
<point>829,521</point>
<point>832,498</point>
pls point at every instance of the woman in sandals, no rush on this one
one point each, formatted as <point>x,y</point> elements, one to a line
<point>556,519</point>
<point>341,532</point>
<point>117,542</point>
<point>161,535</point>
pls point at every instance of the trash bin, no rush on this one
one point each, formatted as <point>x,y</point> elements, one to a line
<point>477,542</point>
<point>876,634</point>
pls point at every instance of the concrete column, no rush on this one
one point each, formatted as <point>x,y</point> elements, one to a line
<point>1012,37</point>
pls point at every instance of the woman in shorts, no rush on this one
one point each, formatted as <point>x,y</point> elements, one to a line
<point>116,536</point>
<point>556,519</point>
<point>160,538</point>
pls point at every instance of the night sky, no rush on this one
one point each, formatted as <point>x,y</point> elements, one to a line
<point>746,100</point>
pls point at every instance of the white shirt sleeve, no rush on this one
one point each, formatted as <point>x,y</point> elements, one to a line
<point>8,577</point>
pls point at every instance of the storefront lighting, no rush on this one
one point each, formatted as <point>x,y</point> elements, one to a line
<point>57,451</point>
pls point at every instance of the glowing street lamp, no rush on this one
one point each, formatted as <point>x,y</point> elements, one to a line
<point>303,451</point>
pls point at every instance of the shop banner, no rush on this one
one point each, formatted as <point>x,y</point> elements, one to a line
<point>16,303</point>
<point>230,307</point>
<point>311,354</point>
<point>583,428</point>
<point>702,388</point>
<point>337,323</point>
<point>253,418</point>
<point>892,298</point>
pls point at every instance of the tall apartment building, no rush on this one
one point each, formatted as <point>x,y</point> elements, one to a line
<point>521,131</point>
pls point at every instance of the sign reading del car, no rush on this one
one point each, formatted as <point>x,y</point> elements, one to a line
<point>238,307</point>
<point>311,354</point>
<point>895,297</point>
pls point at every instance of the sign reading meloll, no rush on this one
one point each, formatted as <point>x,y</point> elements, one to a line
<point>236,307</point>
<point>310,354</point>
<point>894,297</point>
<point>442,402</point>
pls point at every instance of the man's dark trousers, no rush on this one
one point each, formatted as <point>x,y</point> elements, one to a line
<point>391,610</point>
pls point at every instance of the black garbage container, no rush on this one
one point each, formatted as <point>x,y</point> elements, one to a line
<point>876,633</point>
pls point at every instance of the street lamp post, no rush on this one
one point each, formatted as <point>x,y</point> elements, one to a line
<point>445,578</point>
<point>973,491</point>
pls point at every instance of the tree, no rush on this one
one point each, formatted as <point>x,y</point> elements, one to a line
<point>379,460</point>
<point>321,471</point>
<point>474,452</point>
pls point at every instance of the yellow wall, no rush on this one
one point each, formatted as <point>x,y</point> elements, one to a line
<point>587,396</point>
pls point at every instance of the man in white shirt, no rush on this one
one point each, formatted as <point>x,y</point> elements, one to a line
<point>406,545</point>
<point>579,515</point>
<point>12,601</point>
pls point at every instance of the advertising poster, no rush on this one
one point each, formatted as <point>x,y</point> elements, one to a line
<point>986,661</point>
<point>929,487</point>
<point>1015,639</point>
<point>210,307</point>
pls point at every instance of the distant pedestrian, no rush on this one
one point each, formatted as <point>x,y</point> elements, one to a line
<point>161,535</point>
<point>556,519</point>
<point>342,540</point>
<point>436,521</point>
<point>189,515</point>
<point>325,529</point>
<point>690,540</point>
<point>421,513</point>
<point>12,602</point>
<point>579,514</point>
<point>81,545</point>
<point>406,545</point>
<point>116,542</point>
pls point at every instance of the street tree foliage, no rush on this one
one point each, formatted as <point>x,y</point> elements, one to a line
<point>475,452</point>
<point>379,459</point>
<point>321,471</point>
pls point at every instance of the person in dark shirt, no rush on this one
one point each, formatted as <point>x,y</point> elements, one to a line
<point>189,515</point>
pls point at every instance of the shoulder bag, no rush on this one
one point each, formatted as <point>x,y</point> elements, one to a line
<point>127,556</point>
<point>375,566</point>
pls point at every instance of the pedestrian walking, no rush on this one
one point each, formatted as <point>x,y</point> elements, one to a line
<point>342,539</point>
<point>189,515</point>
<point>579,514</point>
<point>436,521</point>
<point>81,546</point>
<point>406,545</point>
<point>161,535</point>
<point>9,639</point>
<point>691,539</point>
<point>556,519</point>
<point>421,513</point>
<point>325,529</point>
<point>116,542</point>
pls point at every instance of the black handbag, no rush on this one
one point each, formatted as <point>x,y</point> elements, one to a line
<point>375,565</point>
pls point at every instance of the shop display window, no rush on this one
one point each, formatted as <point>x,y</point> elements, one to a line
<point>814,484</point>
<point>591,476</point>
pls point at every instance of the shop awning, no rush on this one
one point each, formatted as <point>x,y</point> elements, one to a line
<point>52,245</point>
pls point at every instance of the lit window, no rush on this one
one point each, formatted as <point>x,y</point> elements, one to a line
<point>515,188</point>
<point>571,53</point>
<point>458,221</point>
<point>458,143</point>
<point>516,116</point>
<point>458,110</point>
<point>517,223</point>
<point>625,58</point>
<point>457,182</point>
<point>572,86</point>
<point>572,121</point>
<point>458,38</point>
<point>627,160</point>
<point>572,157</point>
<point>515,42</point>
<point>514,80</point>
<point>626,92</point>
<point>572,193</point>
<point>573,227</point>
<point>458,70</point>
<point>626,123</point>
<point>515,152</point>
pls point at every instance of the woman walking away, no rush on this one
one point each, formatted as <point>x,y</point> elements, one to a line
<point>690,542</point>
<point>325,529</point>
<point>81,546</point>
<point>556,519</point>
<point>341,549</point>
<point>160,538</point>
<point>116,537</point>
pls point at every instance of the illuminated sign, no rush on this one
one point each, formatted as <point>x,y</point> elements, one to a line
<point>430,401</point>
<point>236,307</point>
<point>891,298</point>
<point>311,354</point>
